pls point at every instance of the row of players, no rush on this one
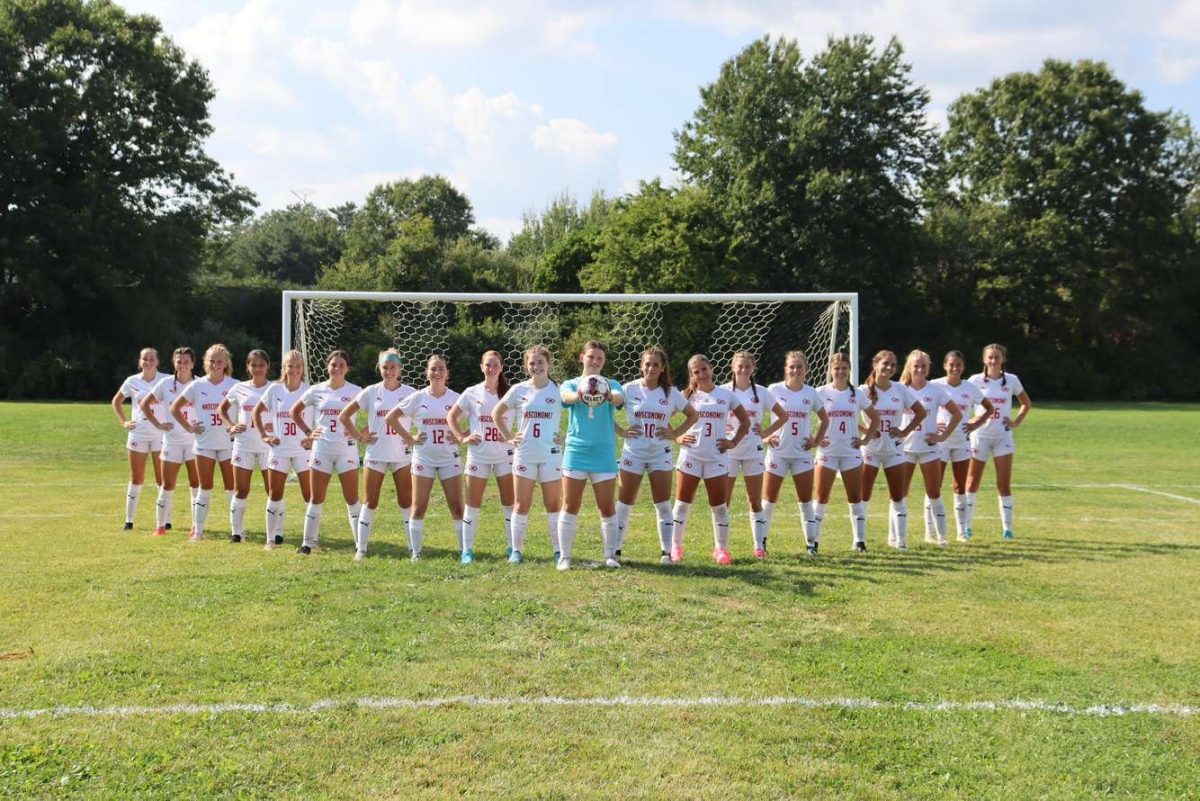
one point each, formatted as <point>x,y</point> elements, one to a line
<point>415,436</point>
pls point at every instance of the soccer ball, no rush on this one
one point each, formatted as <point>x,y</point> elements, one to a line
<point>593,390</point>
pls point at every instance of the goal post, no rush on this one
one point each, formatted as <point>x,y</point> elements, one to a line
<point>464,324</point>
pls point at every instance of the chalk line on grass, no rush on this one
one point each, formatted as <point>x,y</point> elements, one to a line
<point>626,701</point>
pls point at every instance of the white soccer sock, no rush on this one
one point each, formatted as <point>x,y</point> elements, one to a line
<point>567,523</point>
<point>470,525</point>
<point>312,524</point>
<point>274,518</point>
<point>858,520</point>
<point>352,512</point>
<point>758,528</point>
<point>194,491</point>
<point>662,511</point>
<point>406,516</point>
<point>416,534</point>
<point>930,526</point>
<point>1006,512</point>
<point>679,518</point>
<point>818,521</point>
<point>237,516</point>
<point>720,526</point>
<point>970,516</point>
<point>960,512</point>
<point>366,522</point>
<point>552,519</point>
<point>132,494</point>
<point>768,510</point>
<point>162,507</point>
<point>508,513</point>
<point>229,496</point>
<point>200,510</point>
<point>610,532</point>
<point>898,511</point>
<point>459,534</point>
<point>937,510</point>
<point>520,524</point>
<point>808,517</point>
<point>623,511</point>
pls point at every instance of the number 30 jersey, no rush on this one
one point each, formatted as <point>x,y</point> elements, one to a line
<point>428,413</point>
<point>278,403</point>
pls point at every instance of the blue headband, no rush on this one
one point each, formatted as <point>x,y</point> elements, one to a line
<point>384,358</point>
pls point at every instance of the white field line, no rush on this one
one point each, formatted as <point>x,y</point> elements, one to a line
<point>416,704</point>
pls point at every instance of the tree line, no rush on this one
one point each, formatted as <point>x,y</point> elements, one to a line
<point>1054,213</point>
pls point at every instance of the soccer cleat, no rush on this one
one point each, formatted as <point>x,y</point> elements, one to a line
<point>931,538</point>
<point>128,526</point>
<point>942,543</point>
<point>304,549</point>
<point>676,554</point>
<point>860,546</point>
<point>760,553</point>
<point>962,537</point>
<point>514,557</point>
<point>235,537</point>
<point>279,539</point>
<point>416,556</point>
<point>902,547</point>
<point>722,557</point>
<point>508,552</point>
<point>812,548</point>
<point>168,527</point>
<point>360,555</point>
<point>612,562</point>
<point>159,532</point>
<point>1008,535</point>
<point>270,546</point>
<point>665,558</point>
<point>468,557</point>
<point>564,563</point>
<point>195,536</point>
<point>556,557</point>
<point>967,534</point>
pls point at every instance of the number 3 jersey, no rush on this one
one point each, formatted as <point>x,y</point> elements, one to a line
<point>844,408</point>
<point>376,401</point>
<point>714,408</point>
<point>651,410</point>
<point>538,416</point>
<point>206,397</point>
<point>801,406</point>
<point>278,401</point>
<point>327,404</point>
<point>477,404</point>
<point>428,413</point>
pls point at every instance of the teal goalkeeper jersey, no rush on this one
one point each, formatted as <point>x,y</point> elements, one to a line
<point>591,441</point>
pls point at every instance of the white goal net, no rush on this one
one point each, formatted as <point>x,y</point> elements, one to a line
<point>463,326</point>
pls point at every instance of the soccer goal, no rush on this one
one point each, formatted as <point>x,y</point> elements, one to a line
<point>464,325</point>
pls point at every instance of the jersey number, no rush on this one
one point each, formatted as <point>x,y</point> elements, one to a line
<point>650,430</point>
<point>537,430</point>
<point>842,426</point>
<point>216,420</point>
<point>391,432</point>
<point>491,435</point>
<point>289,429</point>
<point>707,430</point>
<point>438,436</point>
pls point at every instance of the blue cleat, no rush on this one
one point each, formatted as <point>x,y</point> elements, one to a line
<point>468,557</point>
<point>967,534</point>
<point>508,552</point>
<point>514,557</point>
<point>557,556</point>
<point>1008,535</point>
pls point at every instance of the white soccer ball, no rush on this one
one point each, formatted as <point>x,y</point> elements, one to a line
<point>593,390</point>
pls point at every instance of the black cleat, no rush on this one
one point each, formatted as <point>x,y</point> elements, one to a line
<point>128,527</point>
<point>860,546</point>
<point>304,549</point>
<point>812,549</point>
<point>167,526</point>
<point>235,537</point>
<point>279,539</point>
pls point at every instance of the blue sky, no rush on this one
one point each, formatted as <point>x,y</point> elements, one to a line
<point>519,102</point>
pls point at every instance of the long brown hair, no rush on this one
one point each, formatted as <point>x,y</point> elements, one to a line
<point>1003,351</point>
<point>871,378</point>
<point>840,357</point>
<point>544,352</point>
<point>691,387</point>
<point>750,357</point>
<point>257,353</point>
<point>664,377</point>
<point>183,351</point>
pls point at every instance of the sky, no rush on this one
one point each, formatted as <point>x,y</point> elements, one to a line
<point>517,103</point>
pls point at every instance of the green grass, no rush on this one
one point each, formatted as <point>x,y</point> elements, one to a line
<point>1095,603</point>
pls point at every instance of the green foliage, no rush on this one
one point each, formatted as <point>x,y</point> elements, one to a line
<point>107,190</point>
<point>290,246</point>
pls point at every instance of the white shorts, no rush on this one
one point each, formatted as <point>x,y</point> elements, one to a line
<point>839,463</point>
<point>754,466</point>
<point>286,464</point>
<point>985,448</point>
<point>584,475</point>
<point>249,460</point>
<point>144,443</point>
<point>477,469</point>
<point>885,460</point>
<point>387,468</point>
<point>777,466</point>
<point>924,457</point>
<point>954,453</point>
<point>659,463</point>
<point>178,453</point>
<point>333,463</point>
<point>702,468</point>
<point>216,454</point>
<point>542,472</point>
<point>442,471</point>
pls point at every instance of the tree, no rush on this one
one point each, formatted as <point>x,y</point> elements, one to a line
<point>817,165</point>
<point>107,190</point>
<point>1073,199</point>
<point>290,245</point>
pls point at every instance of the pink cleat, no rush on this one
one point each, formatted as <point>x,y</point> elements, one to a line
<point>722,556</point>
<point>195,536</point>
<point>159,532</point>
<point>676,554</point>
<point>760,553</point>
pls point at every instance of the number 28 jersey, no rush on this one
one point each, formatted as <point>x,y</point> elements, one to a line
<point>477,404</point>
<point>844,408</point>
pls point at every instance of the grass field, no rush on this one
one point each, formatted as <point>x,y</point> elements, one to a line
<point>1096,603</point>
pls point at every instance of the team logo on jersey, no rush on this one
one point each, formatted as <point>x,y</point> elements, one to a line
<point>549,400</point>
<point>520,468</point>
<point>628,463</point>
<point>720,401</point>
<point>473,469</point>
<point>662,401</point>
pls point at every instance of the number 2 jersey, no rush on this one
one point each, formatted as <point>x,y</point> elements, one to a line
<point>478,404</point>
<point>844,408</point>
<point>428,413</point>
<point>801,406</point>
<point>277,402</point>
<point>327,404</point>
<point>538,414</point>
<point>651,409</point>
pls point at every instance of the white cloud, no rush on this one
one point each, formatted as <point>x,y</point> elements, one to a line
<point>573,138</point>
<point>239,50</point>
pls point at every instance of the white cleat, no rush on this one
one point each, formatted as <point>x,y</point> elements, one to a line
<point>563,564</point>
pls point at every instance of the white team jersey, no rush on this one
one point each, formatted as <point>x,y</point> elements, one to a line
<point>440,448</point>
<point>278,403</point>
<point>890,405</point>
<point>933,397</point>
<point>751,445</point>
<point>477,404</point>
<point>651,409</point>
<point>243,397</point>
<point>206,397</point>
<point>1000,391</point>
<point>135,388</point>
<point>327,405</point>
<point>167,390</point>
<point>538,417</point>
<point>966,396</point>
<point>376,401</point>
<point>844,409</point>
<point>801,406</point>
<point>714,408</point>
